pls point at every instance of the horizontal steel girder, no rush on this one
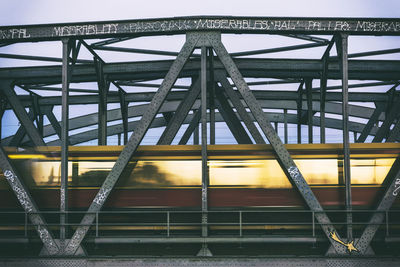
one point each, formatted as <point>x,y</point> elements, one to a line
<point>180,25</point>
<point>249,67</point>
<point>260,95</point>
<point>170,106</point>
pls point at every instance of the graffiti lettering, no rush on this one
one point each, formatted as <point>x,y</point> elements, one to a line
<point>18,190</point>
<point>101,196</point>
<point>187,24</point>
<point>85,30</point>
<point>396,187</point>
<point>14,34</point>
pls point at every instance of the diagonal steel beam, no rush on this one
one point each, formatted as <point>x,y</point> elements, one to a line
<point>389,118</point>
<point>132,144</point>
<point>237,103</point>
<point>19,135</point>
<point>53,120</point>
<point>231,119</point>
<point>384,205</point>
<point>181,112</point>
<point>371,122</point>
<point>27,203</point>
<point>283,155</point>
<point>191,128</point>
<point>21,114</point>
<point>394,133</point>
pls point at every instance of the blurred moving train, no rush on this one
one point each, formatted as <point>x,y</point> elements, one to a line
<point>170,176</point>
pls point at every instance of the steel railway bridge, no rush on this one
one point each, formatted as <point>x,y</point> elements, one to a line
<point>202,85</point>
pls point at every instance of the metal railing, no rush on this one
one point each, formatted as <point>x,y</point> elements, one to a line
<point>235,221</point>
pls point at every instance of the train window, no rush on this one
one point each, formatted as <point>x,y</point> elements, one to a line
<point>249,173</point>
<point>263,173</point>
<point>319,171</point>
<point>269,174</point>
<point>370,171</point>
<point>165,173</point>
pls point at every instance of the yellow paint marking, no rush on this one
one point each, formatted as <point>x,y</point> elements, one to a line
<point>349,245</point>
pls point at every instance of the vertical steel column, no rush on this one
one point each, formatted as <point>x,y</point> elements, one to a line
<point>309,110</point>
<point>196,135</point>
<point>2,110</point>
<point>124,113</point>
<point>211,94</point>
<point>285,126</point>
<point>102,112</point>
<point>64,142</point>
<point>342,47</point>
<point>299,110</point>
<point>323,84</point>
<point>204,166</point>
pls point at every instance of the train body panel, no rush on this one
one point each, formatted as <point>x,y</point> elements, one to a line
<point>363,197</point>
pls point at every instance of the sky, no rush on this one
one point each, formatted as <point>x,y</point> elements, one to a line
<point>53,11</point>
<point>20,12</point>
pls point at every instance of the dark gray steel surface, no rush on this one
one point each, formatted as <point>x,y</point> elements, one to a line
<point>289,261</point>
<point>21,114</point>
<point>134,28</point>
<point>19,135</point>
<point>64,141</point>
<point>371,122</point>
<point>283,155</point>
<point>103,87</point>
<point>389,118</point>
<point>310,113</point>
<point>181,112</point>
<point>235,99</point>
<point>192,128</point>
<point>233,122</point>
<point>253,67</point>
<point>385,204</point>
<point>204,141</point>
<point>132,144</point>
<point>27,203</point>
<point>342,49</point>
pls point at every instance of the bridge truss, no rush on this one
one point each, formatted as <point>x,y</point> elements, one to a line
<point>218,87</point>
